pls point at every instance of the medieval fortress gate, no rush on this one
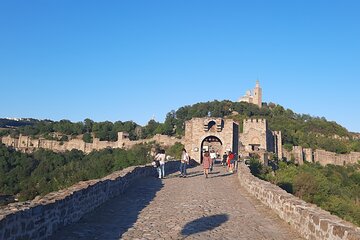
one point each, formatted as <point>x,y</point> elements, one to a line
<point>220,135</point>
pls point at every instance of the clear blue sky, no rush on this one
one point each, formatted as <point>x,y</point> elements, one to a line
<point>131,59</point>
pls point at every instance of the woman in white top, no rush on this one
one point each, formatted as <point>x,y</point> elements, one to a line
<point>161,158</point>
<point>184,161</point>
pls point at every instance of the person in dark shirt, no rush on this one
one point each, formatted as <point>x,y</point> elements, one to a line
<point>224,159</point>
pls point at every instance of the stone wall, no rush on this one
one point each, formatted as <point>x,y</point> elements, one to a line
<point>309,220</point>
<point>257,134</point>
<point>323,157</point>
<point>255,131</point>
<point>27,144</point>
<point>40,218</point>
<point>198,129</point>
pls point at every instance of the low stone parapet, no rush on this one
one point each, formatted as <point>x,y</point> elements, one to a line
<point>309,220</point>
<point>41,217</point>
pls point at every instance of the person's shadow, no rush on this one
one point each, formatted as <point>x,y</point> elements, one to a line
<point>204,224</point>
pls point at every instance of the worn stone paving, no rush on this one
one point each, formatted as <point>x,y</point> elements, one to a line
<point>182,208</point>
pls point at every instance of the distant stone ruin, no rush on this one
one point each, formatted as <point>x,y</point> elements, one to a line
<point>301,155</point>
<point>28,144</point>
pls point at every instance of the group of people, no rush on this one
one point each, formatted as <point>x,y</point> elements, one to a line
<point>159,163</point>
<point>228,160</point>
<point>208,162</point>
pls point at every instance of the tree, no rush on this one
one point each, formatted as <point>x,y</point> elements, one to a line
<point>87,137</point>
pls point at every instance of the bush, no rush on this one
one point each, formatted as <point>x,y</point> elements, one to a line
<point>333,188</point>
<point>44,171</point>
<point>175,150</point>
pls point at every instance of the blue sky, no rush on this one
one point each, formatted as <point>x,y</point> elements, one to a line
<point>132,59</point>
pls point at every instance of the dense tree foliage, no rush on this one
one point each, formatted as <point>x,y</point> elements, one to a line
<point>297,129</point>
<point>50,130</point>
<point>175,151</point>
<point>333,188</point>
<point>44,171</point>
<point>4,122</point>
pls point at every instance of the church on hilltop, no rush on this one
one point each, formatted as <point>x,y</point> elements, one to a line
<point>254,97</point>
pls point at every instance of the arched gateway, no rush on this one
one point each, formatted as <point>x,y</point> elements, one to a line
<point>211,134</point>
<point>220,135</point>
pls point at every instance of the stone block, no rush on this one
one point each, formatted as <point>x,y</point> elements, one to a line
<point>324,225</point>
<point>339,231</point>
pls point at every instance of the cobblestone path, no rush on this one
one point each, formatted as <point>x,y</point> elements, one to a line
<point>182,208</point>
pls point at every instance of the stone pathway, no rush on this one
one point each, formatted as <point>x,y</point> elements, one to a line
<point>182,208</point>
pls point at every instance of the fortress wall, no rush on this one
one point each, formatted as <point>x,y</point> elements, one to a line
<point>40,218</point>
<point>321,156</point>
<point>286,154</point>
<point>325,157</point>
<point>354,157</point>
<point>309,220</point>
<point>298,154</point>
<point>308,155</point>
<point>26,144</point>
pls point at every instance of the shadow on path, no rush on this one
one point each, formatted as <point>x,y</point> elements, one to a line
<point>223,175</point>
<point>204,224</point>
<point>115,217</point>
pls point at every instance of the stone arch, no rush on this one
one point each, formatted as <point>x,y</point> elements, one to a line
<point>198,129</point>
<point>210,143</point>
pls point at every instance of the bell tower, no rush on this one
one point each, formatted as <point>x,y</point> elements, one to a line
<point>258,94</point>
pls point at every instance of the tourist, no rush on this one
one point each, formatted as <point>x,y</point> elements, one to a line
<point>230,162</point>
<point>206,163</point>
<point>185,158</point>
<point>161,158</point>
<point>225,156</point>
<point>213,159</point>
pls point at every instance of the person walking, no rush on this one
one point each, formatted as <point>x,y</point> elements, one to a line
<point>230,162</point>
<point>206,163</point>
<point>213,159</point>
<point>161,158</point>
<point>225,156</point>
<point>184,162</point>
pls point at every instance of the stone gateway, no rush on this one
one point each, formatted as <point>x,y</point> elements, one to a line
<point>218,135</point>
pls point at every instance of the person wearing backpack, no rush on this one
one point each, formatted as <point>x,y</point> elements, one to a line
<point>184,162</point>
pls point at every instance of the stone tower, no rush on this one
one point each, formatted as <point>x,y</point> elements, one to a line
<point>255,97</point>
<point>258,94</point>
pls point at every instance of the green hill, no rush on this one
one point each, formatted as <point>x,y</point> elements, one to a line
<point>297,129</point>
